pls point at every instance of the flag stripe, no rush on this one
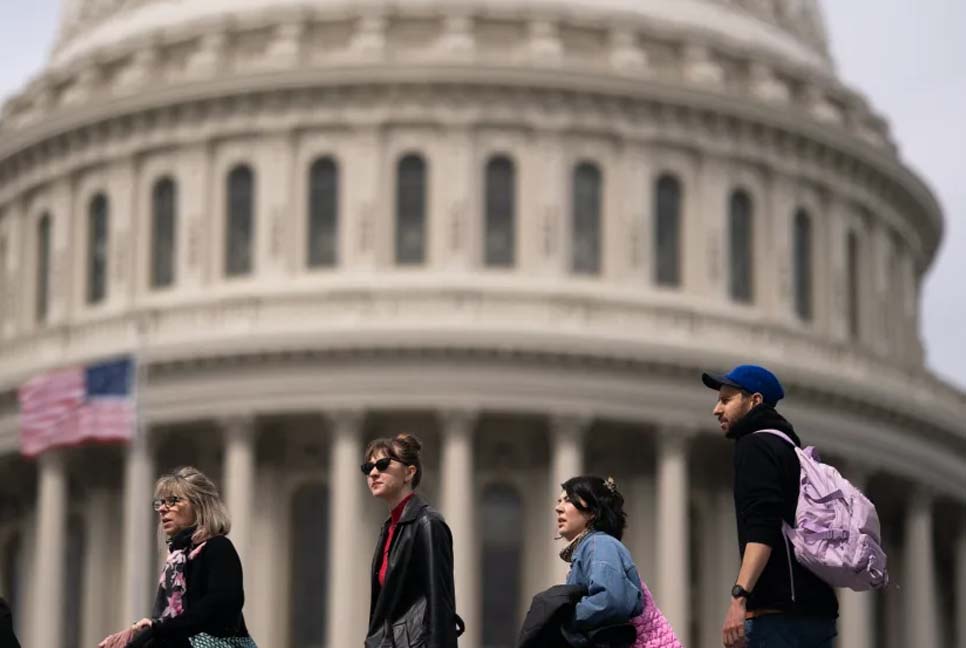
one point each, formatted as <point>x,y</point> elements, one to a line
<point>71,406</point>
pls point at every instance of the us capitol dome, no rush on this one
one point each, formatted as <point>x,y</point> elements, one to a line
<point>517,228</point>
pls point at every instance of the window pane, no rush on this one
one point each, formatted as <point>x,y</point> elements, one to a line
<point>500,212</point>
<point>310,568</point>
<point>502,515</point>
<point>741,247</point>
<point>803,265</point>
<point>241,225</point>
<point>667,238</point>
<point>586,219</point>
<point>43,267</point>
<point>411,210</point>
<point>854,281</point>
<point>163,233</point>
<point>323,213</point>
<point>97,251</point>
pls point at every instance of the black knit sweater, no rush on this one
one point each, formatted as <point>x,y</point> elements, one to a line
<point>213,599</point>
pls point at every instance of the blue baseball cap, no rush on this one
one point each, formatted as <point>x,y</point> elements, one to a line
<point>751,378</point>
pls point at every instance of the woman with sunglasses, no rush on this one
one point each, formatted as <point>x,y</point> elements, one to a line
<point>413,601</point>
<point>200,596</point>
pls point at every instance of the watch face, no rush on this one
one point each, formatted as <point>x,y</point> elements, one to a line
<point>738,592</point>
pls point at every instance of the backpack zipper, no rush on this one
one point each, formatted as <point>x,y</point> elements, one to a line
<point>791,575</point>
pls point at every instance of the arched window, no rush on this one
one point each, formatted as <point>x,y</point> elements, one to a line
<point>803,265</point>
<point>43,268</point>
<point>502,547</point>
<point>854,280</point>
<point>585,244</point>
<point>740,238</point>
<point>411,210</point>
<point>499,237</point>
<point>164,224</point>
<point>97,249</point>
<point>240,221</point>
<point>309,565</point>
<point>667,231</point>
<point>323,236</point>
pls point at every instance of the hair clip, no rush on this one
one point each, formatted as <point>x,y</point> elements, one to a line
<point>611,484</point>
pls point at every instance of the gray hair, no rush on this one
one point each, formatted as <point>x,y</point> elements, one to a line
<point>211,515</point>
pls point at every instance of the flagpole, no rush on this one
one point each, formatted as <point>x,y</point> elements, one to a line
<point>138,475</point>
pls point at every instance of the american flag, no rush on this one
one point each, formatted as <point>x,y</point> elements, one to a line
<point>76,405</point>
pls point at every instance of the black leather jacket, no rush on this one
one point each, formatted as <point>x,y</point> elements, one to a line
<point>417,606</point>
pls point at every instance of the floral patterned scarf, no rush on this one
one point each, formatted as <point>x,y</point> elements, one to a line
<point>567,553</point>
<point>170,600</point>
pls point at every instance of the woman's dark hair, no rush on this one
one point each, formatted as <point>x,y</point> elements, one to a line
<point>404,448</point>
<point>601,499</point>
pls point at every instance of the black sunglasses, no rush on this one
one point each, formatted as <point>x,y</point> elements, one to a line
<point>380,464</point>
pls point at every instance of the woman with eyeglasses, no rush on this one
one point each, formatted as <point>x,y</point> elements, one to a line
<point>200,595</point>
<point>413,602</point>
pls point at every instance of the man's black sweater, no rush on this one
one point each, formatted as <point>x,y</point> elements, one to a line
<point>766,493</point>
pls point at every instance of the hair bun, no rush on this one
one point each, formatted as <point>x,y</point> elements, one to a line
<point>409,441</point>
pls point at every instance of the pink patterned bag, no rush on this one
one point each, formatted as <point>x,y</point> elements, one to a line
<point>653,628</point>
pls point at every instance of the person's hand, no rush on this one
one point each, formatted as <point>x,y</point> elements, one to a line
<point>141,625</point>
<point>733,631</point>
<point>118,639</point>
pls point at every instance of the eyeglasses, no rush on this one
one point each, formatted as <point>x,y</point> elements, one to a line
<point>170,502</point>
<point>380,464</point>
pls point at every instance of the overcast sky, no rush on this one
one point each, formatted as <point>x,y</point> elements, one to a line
<point>908,56</point>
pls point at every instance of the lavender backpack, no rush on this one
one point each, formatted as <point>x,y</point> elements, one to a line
<point>836,533</point>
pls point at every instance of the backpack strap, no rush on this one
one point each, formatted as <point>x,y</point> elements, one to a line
<point>779,434</point>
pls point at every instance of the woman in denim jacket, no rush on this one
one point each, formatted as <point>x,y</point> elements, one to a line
<point>590,515</point>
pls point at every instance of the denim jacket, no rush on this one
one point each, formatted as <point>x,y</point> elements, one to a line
<point>604,566</point>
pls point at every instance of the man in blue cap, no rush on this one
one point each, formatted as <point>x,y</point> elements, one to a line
<point>775,602</point>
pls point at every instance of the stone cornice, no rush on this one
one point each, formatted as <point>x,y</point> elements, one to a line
<point>615,333</point>
<point>126,67</point>
<point>653,111</point>
<point>514,380</point>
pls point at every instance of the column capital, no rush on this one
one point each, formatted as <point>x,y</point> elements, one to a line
<point>677,433</point>
<point>921,497</point>
<point>236,424</point>
<point>345,419</point>
<point>573,424</point>
<point>458,419</point>
<point>53,459</point>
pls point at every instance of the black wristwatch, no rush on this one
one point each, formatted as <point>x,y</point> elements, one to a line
<point>739,592</point>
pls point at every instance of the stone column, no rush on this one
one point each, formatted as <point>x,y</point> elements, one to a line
<point>49,560</point>
<point>347,608</point>
<point>239,488</point>
<point>960,612</point>
<point>673,579</point>
<point>919,600</point>
<point>457,504</point>
<point>856,609</point>
<point>99,602</point>
<point>566,461</point>
<point>138,517</point>
<point>720,562</point>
